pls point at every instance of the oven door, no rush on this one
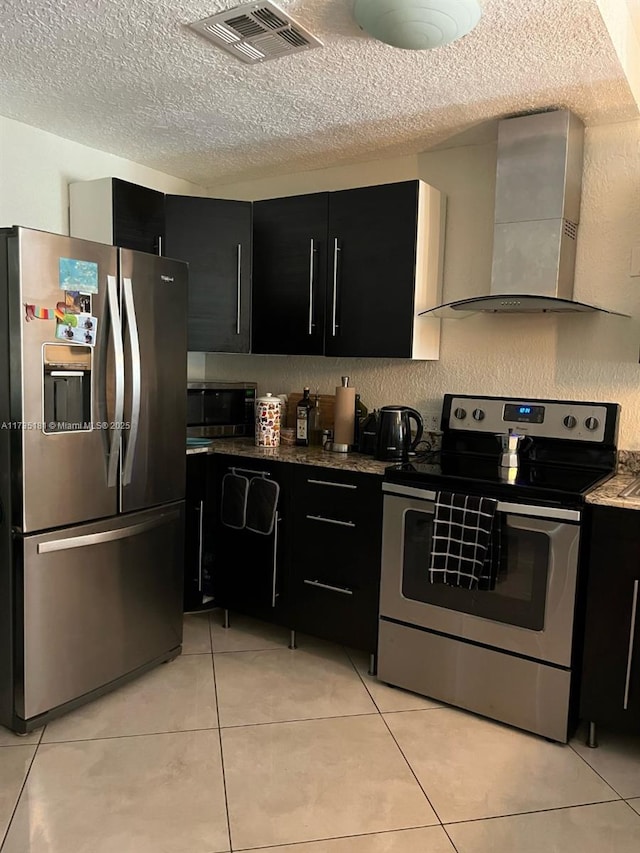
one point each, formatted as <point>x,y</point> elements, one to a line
<point>530,611</point>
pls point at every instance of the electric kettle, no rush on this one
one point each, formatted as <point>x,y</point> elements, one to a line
<point>394,441</point>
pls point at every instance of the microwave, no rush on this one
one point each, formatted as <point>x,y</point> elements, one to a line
<point>216,409</point>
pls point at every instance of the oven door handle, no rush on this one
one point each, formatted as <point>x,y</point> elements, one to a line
<point>506,507</point>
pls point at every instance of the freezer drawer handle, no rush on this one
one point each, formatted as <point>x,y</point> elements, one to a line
<point>136,382</point>
<point>118,354</point>
<point>107,535</point>
<point>329,483</point>
<point>330,520</point>
<point>343,589</point>
<point>632,631</point>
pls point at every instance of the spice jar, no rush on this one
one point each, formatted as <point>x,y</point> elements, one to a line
<point>268,413</point>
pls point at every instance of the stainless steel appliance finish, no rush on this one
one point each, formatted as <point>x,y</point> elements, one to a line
<point>90,592</point>
<point>507,652</point>
<point>537,210</point>
<point>33,260</point>
<point>99,601</point>
<point>221,409</point>
<point>153,460</point>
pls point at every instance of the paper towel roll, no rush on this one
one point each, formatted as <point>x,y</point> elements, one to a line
<point>345,414</point>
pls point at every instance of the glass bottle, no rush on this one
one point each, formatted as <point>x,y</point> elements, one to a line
<point>315,427</point>
<point>302,419</point>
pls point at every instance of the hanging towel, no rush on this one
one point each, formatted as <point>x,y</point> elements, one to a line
<point>466,542</point>
<point>262,501</point>
<point>233,506</point>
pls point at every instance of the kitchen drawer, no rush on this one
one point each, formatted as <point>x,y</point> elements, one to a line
<point>342,553</point>
<point>346,615</point>
<point>344,496</point>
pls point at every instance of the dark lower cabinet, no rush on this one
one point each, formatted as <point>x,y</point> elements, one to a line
<point>335,572</point>
<point>320,574</point>
<point>199,518</point>
<point>610,692</point>
<point>251,570</point>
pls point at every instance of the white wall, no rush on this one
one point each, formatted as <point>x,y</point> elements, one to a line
<point>36,167</point>
<point>591,356</point>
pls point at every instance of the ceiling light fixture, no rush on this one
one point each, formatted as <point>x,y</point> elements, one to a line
<point>417,24</point>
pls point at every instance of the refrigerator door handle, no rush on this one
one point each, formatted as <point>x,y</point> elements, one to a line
<point>136,381</point>
<point>118,352</point>
<point>107,535</point>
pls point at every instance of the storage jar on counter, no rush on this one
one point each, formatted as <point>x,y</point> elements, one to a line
<point>268,416</point>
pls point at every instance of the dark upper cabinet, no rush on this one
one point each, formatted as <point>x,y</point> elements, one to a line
<point>138,217</point>
<point>346,273</point>
<point>119,213</point>
<point>214,236</point>
<point>289,274</point>
<point>610,691</point>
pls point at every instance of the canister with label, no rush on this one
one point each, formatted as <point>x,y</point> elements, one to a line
<point>268,415</point>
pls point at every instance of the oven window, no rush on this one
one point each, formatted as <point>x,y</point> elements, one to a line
<point>520,593</point>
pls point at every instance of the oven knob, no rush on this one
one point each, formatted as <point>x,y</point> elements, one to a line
<point>478,415</point>
<point>460,414</point>
<point>592,424</point>
<point>570,422</point>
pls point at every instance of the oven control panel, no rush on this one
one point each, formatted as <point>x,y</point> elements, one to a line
<point>575,421</point>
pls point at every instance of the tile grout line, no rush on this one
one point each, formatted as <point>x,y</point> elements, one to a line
<point>224,778</point>
<point>600,776</point>
<point>22,787</point>
<point>336,838</point>
<point>534,811</point>
<point>413,773</point>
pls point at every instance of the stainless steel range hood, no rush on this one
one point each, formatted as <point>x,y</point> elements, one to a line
<point>537,209</point>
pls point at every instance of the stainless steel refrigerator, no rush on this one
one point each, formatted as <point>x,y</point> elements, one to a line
<point>92,469</point>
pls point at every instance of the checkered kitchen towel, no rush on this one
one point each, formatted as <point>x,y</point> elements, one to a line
<point>466,542</point>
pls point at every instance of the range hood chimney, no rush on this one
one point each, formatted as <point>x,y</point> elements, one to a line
<point>537,209</point>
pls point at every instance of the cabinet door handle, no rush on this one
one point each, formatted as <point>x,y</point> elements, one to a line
<point>159,244</point>
<point>312,253</point>
<point>336,250</point>
<point>239,283</point>
<point>632,630</point>
<point>330,520</point>
<point>329,483</point>
<point>200,543</point>
<point>343,589</point>
<point>274,594</point>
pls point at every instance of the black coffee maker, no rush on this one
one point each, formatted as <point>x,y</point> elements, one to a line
<point>394,441</point>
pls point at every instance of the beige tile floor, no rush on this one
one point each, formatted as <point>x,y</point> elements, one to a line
<point>243,744</point>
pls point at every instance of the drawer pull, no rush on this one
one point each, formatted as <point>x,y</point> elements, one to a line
<point>632,630</point>
<point>329,483</point>
<point>330,520</point>
<point>343,589</point>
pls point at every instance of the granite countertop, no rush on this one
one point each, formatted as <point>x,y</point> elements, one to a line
<point>609,493</point>
<point>292,453</point>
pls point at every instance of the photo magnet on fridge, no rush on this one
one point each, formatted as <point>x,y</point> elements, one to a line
<point>77,275</point>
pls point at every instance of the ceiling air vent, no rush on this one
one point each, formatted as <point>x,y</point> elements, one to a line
<point>256,32</point>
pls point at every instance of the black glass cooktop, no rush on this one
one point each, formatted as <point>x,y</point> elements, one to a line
<point>479,475</point>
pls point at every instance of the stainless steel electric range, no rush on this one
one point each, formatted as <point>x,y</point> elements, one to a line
<point>508,653</point>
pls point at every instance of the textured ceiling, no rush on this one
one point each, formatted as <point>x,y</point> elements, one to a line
<point>129,78</point>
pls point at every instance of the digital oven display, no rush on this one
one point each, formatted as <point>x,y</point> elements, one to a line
<point>523,413</point>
